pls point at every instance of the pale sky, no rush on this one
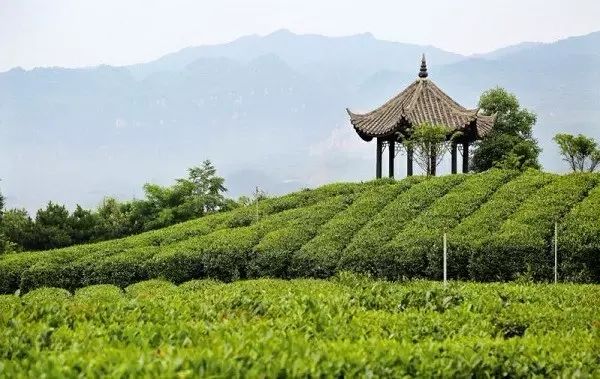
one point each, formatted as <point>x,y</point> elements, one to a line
<point>75,33</point>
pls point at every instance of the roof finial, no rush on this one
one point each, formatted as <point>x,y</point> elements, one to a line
<point>423,71</point>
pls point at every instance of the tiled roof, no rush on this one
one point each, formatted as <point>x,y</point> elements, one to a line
<point>421,102</point>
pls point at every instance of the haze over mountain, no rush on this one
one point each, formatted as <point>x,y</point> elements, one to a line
<point>269,111</point>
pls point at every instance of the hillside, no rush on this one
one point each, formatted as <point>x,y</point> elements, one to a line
<point>499,226</point>
<point>278,101</point>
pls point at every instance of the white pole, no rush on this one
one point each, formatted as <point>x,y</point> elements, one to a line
<point>556,252</point>
<point>445,260</point>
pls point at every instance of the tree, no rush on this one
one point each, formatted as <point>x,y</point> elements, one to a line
<point>113,220</point>
<point>511,143</point>
<point>52,228</point>
<point>200,193</point>
<point>429,144</point>
<point>580,152</point>
<point>208,187</point>
<point>3,239</point>
<point>17,228</point>
<point>83,225</point>
<point>1,205</point>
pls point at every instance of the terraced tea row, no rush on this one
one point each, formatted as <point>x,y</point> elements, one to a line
<point>499,226</point>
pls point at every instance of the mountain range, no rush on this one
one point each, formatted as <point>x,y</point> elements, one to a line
<point>269,111</point>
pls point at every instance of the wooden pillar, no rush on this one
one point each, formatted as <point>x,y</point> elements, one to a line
<point>379,153</point>
<point>453,151</point>
<point>465,162</point>
<point>433,162</point>
<point>392,153</point>
<point>409,161</point>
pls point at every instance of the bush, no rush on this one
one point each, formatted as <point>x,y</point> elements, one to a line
<point>179,262</point>
<point>307,197</point>
<point>486,220</point>
<point>383,228</point>
<point>345,328</point>
<point>363,253</point>
<point>522,244</point>
<point>272,256</point>
<point>320,256</point>
<point>121,269</point>
<point>416,251</point>
<point>579,241</point>
<point>11,267</point>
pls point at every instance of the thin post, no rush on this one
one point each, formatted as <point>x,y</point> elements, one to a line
<point>409,161</point>
<point>379,153</point>
<point>465,162</point>
<point>445,260</point>
<point>453,157</point>
<point>392,153</point>
<point>257,195</point>
<point>433,162</point>
<point>556,252</point>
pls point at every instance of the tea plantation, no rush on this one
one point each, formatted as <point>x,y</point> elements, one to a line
<point>346,326</point>
<point>500,227</point>
<point>158,304</point>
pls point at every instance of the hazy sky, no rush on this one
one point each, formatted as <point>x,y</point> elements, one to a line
<point>78,33</point>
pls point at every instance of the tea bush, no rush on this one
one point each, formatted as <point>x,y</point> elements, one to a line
<point>579,241</point>
<point>482,224</point>
<point>522,244</point>
<point>319,257</point>
<point>346,327</point>
<point>499,226</point>
<point>363,254</point>
<point>415,250</point>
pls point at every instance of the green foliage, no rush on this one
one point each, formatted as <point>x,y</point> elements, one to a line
<point>198,195</point>
<point>52,228</point>
<point>415,250</point>
<point>579,241</point>
<point>522,243</point>
<point>428,144</point>
<point>364,253</point>
<point>510,145</point>
<point>320,256</point>
<point>348,327</point>
<point>273,255</point>
<point>499,226</point>
<point>481,225</point>
<point>18,229</point>
<point>580,152</point>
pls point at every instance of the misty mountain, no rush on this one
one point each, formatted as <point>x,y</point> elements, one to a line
<point>349,59</point>
<point>269,111</point>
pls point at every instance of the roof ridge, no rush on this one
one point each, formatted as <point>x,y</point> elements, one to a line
<point>397,96</point>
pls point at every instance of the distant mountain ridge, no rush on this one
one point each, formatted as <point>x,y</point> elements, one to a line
<point>269,111</point>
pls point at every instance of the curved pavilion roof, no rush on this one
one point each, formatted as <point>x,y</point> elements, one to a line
<point>421,102</point>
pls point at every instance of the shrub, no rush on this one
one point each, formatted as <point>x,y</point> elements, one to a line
<point>121,269</point>
<point>320,256</point>
<point>579,241</point>
<point>416,251</point>
<point>486,220</point>
<point>522,244</point>
<point>362,254</point>
<point>307,197</point>
<point>346,328</point>
<point>271,257</point>
<point>11,267</point>
<point>179,262</point>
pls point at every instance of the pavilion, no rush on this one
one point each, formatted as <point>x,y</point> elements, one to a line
<point>419,103</point>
